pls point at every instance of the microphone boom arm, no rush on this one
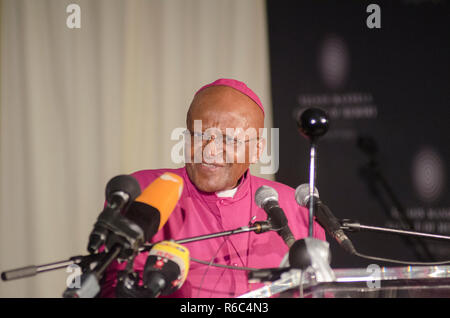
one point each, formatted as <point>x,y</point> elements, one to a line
<point>257,227</point>
<point>106,258</point>
<point>352,226</point>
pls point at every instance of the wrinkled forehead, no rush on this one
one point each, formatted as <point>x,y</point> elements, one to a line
<point>223,107</point>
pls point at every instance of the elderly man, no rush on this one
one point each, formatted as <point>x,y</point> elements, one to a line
<point>219,193</point>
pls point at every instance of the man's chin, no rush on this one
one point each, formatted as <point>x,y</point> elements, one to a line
<point>207,185</point>
<point>206,179</point>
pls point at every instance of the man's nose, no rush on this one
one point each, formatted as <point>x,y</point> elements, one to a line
<point>213,148</point>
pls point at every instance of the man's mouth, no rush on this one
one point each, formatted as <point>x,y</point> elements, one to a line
<point>211,166</point>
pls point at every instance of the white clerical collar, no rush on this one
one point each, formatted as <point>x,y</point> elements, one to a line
<point>227,193</point>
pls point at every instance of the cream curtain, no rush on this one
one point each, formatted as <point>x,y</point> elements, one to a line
<point>79,106</point>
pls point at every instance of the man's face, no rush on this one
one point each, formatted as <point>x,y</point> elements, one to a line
<point>218,157</point>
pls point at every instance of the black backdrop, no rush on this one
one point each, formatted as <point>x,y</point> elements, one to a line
<point>386,88</point>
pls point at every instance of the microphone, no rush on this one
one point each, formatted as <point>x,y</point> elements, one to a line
<point>166,268</point>
<point>324,216</point>
<point>267,199</point>
<point>119,192</point>
<point>165,271</point>
<point>313,123</point>
<point>315,254</point>
<point>154,206</point>
<point>151,210</point>
<point>145,216</point>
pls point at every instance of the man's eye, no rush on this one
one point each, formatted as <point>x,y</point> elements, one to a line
<point>230,140</point>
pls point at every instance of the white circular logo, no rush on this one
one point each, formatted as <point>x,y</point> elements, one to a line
<point>334,62</point>
<point>428,173</point>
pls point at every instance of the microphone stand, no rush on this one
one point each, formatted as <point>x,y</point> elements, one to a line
<point>104,259</point>
<point>243,229</point>
<point>312,180</point>
<point>257,227</point>
<point>90,280</point>
<point>33,270</point>
<point>127,285</point>
<point>353,226</point>
<point>313,123</point>
<point>123,241</point>
<point>311,254</point>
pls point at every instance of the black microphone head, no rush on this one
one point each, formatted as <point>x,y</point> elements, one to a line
<point>160,277</point>
<point>146,217</point>
<point>267,198</point>
<point>265,194</point>
<point>313,123</point>
<point>302,194</point>
<point>166,268</point>
<point>299,256</point>
<point>122,183</point>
